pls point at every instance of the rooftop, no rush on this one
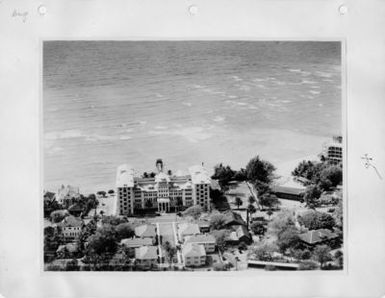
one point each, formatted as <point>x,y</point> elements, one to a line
<point>200,239</point>
<point>71,221</point>
<point>193,250</point>
<point>233,218</point>
<point>146,253</point>
<point>136,242</point>
<point>316,236</point>
<point>188,229</point>
<point>145,231</point>
<point>288,189</point>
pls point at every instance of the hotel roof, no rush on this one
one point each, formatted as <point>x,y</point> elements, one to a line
<point>145,231</point>
<point>193,250</point>
<point>146,253</point>
<point>125,176</point>
<point>199,175</point>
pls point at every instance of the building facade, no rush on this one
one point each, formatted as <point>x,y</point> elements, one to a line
<point>332,151</point>
<point>163,192</point>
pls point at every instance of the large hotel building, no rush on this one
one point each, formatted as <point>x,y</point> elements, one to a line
<point>163,192</point>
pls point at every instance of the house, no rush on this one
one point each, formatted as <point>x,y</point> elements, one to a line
<point>145,231</point>
<point>233,219</point>
<point>237,235</point>
<point>132,244</point>
<point>208,241</point>
<point>187,229</point>
<point>242,234</point>
<point>194,255</point>
<point>146,257</point>
<point>71,227</point>
<point>204,226</point>
<point>315,237</point>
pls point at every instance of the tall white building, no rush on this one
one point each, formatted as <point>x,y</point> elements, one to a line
<point>163,192</point>
<point>332,151</point>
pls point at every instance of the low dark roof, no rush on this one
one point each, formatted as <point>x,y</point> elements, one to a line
<point>233,218</point>
<point>287,190</point>
<point>71,221</point>
<point>317,236</point>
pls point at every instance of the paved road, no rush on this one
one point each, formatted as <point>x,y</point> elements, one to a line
<point>253,192</point>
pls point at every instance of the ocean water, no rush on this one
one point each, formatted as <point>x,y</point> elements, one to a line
<point>111,102</point>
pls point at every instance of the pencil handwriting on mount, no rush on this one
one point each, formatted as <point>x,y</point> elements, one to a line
<point>20,14</point>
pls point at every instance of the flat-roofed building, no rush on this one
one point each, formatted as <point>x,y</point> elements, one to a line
<point>187,229</point>
<point>145,231</point>
<point>332,151</point>
<point>163,193</point>
<point>132,243</point>
<point>146,257</point>
<point>208,241</point>
<point>194,255</point>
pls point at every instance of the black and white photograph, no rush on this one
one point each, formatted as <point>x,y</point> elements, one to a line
<point>203,155</point>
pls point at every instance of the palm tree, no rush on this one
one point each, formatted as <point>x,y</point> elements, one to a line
<point>250,210</point>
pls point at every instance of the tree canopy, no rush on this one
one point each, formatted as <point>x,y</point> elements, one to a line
<point>125,230</point>
<point>58,215</point>
<point>324,174</point>
<point>259,170</point>
<point>224,174</point>
<point>312,195</point>
<point>194,211</point>
<point>217,221</point>
<point>322,254</point>
<point>258,228</point>
<point>314,220</point>
<point>269,200</point>
<point>263,251</point>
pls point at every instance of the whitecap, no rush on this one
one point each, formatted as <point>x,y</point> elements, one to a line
<point>324,74</point>
<point>219,119</point>
<point>315,92</point>
<point>65,134</point>
<point>308,82</point>
<point>160,127</point>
